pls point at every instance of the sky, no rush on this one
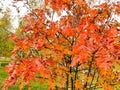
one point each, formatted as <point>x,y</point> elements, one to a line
<point>23,10</point>
<point>14,13</point>
<point>8,4</point>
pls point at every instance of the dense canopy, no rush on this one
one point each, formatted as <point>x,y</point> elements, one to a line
<point>78,52</point>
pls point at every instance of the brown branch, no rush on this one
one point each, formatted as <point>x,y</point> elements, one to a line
<point>76,72</point>
<point>67,79</point>
<point>92,78</point>
<point>72,81</point>
<point>65,37</point>
<point>90,67</point>
<point>48,40</point>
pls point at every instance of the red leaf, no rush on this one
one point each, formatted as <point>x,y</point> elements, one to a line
<point>112,32</point>
<point>38,44</point>
<point>75,61</point>
<point>92,28</point>
<point>69,31</point>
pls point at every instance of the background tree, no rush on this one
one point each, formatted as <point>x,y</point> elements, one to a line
<point>6,45</point>
<point>79,51</point>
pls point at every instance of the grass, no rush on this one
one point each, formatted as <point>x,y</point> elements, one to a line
<point>3,74</point>
<point>35,86</point>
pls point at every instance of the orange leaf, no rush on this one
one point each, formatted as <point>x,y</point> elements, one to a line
<point>112,32</point>
<point>79,2</point>
<point>107,87</point>
<point>93,13</point>
<point>92,28</point>
<point>78,85</point>
<point>69,31</point>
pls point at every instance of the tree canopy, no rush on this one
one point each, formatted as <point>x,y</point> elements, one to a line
<point>78,52</point>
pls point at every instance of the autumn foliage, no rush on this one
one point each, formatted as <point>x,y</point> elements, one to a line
<point>78,52</point>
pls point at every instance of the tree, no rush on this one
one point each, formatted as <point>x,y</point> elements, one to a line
<point>35,3</point>
<point>78,52</point>
<point>6,45</point>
